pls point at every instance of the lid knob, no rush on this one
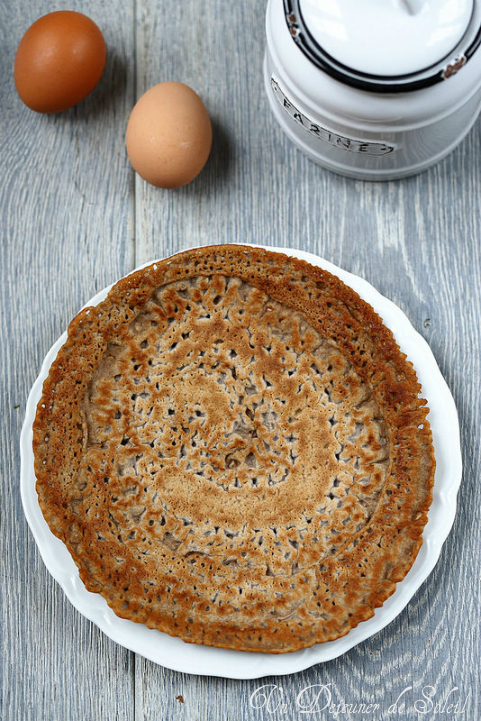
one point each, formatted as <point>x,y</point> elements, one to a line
<point>414,6</point>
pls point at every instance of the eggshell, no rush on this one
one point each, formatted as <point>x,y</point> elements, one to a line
<point>169,135</point>
<point>59,61</point>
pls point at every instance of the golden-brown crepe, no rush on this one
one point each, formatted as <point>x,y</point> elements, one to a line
<point>234,450</point>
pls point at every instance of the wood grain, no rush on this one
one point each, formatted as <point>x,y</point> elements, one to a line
<point>75,218</point>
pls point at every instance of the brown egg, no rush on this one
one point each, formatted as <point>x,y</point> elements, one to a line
<point>169,135</point>
<point>59,61</point>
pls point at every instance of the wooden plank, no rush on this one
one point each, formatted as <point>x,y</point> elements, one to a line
<point>67,231</point>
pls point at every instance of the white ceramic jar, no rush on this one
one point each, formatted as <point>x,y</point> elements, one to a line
<point>374,89</point>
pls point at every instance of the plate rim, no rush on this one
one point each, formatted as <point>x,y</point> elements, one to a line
<point>172,652</point>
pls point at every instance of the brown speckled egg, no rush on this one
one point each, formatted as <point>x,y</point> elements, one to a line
<point>59,61</point>
<point>169,135</point>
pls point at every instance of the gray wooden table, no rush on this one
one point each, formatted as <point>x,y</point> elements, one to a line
<point>74,218</point>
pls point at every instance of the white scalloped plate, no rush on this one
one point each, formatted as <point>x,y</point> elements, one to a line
<point>177,655</point>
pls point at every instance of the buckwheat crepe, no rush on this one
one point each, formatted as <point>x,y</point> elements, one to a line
<point>235,451</point>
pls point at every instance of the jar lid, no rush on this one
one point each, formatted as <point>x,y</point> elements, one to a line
<point>386,44</point>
